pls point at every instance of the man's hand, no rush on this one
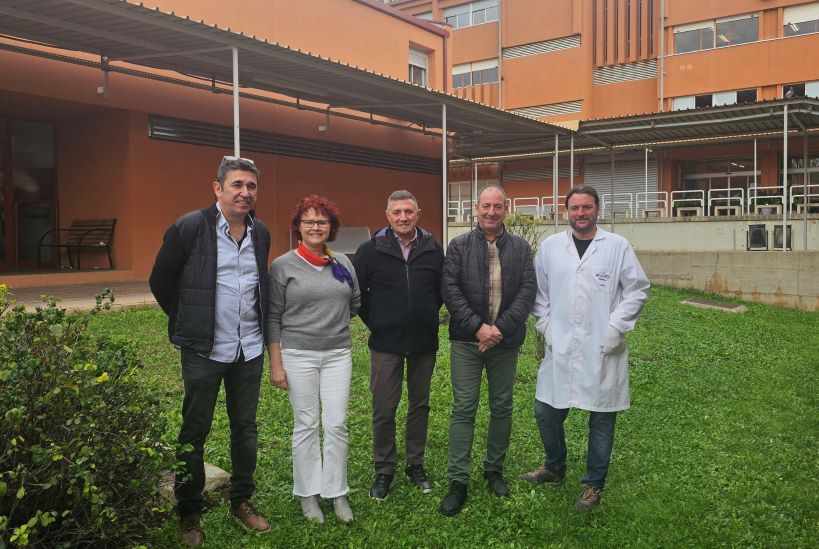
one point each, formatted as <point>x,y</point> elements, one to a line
<point>488,336</point>
<point>613,341</point>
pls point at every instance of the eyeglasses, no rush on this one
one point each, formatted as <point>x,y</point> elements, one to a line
<point>310,223</point>
<point>226,159</point>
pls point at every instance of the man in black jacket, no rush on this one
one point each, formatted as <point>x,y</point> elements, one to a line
<point>210,278</point>
<point>489,287</point>
<point>399,273</point>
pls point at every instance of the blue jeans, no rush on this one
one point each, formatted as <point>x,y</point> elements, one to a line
<point>202,378</point>
<point>601,440</point>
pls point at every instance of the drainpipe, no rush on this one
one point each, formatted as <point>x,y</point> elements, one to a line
<point>500,54</point>
<point>662,55</point>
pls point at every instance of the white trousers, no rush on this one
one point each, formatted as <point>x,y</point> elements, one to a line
<point>319,382</point>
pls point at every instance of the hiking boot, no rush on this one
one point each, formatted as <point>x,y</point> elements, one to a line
<point>454,501</point>
<point>246,512</point>
<point>496,484</point>
<point>541,475</point>
<point>589,499</point>
<point>310,509</point>
<point>381,486</point>
<point>419,478</point>
<point>190,530</point>
<point>342,508</point>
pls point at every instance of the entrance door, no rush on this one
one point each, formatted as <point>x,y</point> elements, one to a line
<point>27,191</point>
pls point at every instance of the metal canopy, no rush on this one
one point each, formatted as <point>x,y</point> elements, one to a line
<point>728,122</point>
<point>120,31</point>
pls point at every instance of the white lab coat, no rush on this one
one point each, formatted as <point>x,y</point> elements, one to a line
<point>577,300</point>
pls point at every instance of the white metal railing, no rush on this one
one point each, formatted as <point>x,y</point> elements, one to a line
<point>755,194</point>
<point>548,206</point>
<point>726,197</point>
<point>682,199</point>
<point>812,195</point>
<point>529,205</point>
<point>467,209</point>
<point>453,211</point>
<point>651,199</point>
<point>618,202</point>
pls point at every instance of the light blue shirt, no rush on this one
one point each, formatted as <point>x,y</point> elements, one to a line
<point>237,295</point>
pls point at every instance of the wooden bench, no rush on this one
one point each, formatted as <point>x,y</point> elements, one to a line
<point>83,234</point>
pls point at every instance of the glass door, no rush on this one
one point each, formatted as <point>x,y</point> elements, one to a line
<point>28,194</point>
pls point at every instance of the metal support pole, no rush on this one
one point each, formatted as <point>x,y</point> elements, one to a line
<point>571,160</point>
<point>805,180</point>
<point>473,196</point>
<point>755,181</point>
<point>236,142</point>
<point>611,212</point>
<point>554,183</point>
<point>646,166</point>
<point>785,179</point>
<point>444,167</point>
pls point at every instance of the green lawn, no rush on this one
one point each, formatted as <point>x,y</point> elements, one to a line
<point>720,448</point>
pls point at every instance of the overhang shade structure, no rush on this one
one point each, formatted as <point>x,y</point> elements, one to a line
<point>121,32</point>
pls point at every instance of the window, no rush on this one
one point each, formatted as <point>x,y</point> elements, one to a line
<point>475,73</point>
<point>418,65</point>
<point>807,89</point>
<point>738,30</point>
<point>426,16</point>
<point>802,19</point>
<point>695,37</point>
<point>719,33</point>
<point>714,99</point>
<point>474,13</point>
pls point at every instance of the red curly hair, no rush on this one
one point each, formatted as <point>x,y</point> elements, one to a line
<point>320,205</point>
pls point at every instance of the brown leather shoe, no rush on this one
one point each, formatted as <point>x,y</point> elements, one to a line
<point>250,517</point>
<point>190,530</point>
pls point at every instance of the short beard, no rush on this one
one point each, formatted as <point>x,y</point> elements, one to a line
<point>590,228</point>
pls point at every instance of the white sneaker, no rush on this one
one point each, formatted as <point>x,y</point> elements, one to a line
<point>342,508</point>
<point>311,510</point>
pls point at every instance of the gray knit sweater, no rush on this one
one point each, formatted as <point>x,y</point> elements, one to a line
<point>309,308</point>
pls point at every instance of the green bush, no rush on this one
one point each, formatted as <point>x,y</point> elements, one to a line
<point>79,457</point>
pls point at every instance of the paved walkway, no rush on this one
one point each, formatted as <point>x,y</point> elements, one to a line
<point>81,296</point>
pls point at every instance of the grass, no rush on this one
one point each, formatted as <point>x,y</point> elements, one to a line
<point>720,447</point>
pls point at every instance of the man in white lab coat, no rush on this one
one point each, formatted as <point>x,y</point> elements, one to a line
<point>591,290</point>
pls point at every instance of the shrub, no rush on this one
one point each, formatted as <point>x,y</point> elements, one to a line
<point>79,457</point>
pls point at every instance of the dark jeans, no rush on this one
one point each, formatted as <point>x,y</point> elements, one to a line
<point>601,440</point>
<point>386,379</point>
<point>202,378</point>
<point>467,366</point>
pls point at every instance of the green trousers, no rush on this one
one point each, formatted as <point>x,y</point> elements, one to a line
<point>466,366</point>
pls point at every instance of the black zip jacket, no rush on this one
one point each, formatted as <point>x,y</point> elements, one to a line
<point>400,299</point>
<point>183,279</point>
<point>466,286</point>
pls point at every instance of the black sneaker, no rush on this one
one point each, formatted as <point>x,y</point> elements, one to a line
<point>419,478</point>
<point>454,501</point>
<point>496,484</point>
<point>381,486</point>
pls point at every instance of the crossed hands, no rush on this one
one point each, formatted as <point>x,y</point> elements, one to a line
<point>488,336</point>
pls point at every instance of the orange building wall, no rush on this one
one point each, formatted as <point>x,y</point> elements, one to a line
<point>340,29</point>
<point>527,21</point>
<point>691,11</point>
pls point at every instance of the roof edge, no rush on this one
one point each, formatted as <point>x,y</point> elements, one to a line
<point>398,14</point>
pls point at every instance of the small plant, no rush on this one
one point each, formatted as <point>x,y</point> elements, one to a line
<point>79,457</point>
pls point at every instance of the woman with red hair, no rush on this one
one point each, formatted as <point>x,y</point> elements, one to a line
<point>313,296</point>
